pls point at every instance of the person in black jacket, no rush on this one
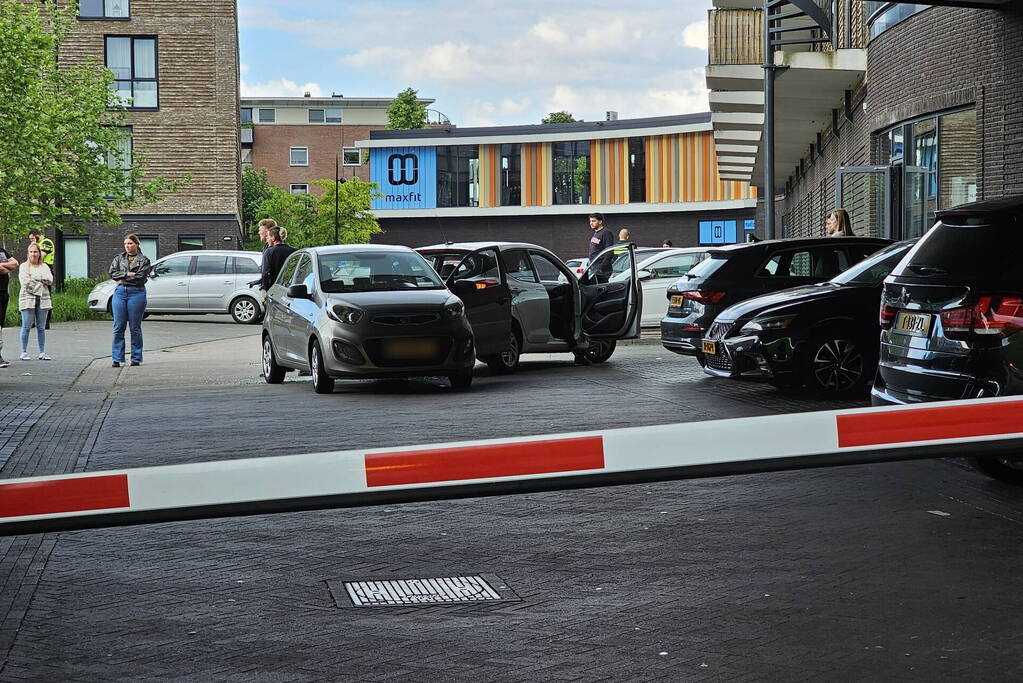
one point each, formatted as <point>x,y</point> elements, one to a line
<point>274,257</point>
<point>130,270</point>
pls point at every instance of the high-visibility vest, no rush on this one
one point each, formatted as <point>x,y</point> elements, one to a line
<point>46,246</point>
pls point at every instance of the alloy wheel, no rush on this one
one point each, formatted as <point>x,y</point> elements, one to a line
<point>244,310</point>
<point>837,365</point>
<point>314,365</point>
<point>267,356</point>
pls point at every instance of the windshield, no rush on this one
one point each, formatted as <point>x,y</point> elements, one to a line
<point>376,272</point>
<point>873,269</point>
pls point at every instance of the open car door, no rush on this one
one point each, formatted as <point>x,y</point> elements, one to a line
<point>475,277</point>
<point>611,295</point>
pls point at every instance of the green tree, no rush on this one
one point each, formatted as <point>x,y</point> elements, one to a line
<point>356,222</point>
<point>294,212</point>
<point>63,158</point>
<point>406,111</point>
<point>255,190</point>
<point>559,117</point>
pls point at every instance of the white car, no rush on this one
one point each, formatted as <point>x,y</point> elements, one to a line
<point>202,281</point>
<point>656,272</point>
<point>578,265</point>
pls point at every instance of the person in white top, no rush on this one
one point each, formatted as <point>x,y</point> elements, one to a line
<point>34,300</point>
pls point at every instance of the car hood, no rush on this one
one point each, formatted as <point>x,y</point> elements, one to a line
<point>750,308</point>
<point>418,299</point>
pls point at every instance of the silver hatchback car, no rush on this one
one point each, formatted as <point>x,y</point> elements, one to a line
<point>200,281</point>
<point>363,311</point>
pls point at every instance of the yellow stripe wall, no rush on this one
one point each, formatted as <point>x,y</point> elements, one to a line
<point>683,168</point>
<point>537,181</point>
<point>609,171</point>
<point>490,173</point>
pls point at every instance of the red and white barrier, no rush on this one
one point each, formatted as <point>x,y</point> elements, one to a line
<point>472,468</point>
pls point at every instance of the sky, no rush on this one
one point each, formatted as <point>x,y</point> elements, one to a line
<point>485,63</point>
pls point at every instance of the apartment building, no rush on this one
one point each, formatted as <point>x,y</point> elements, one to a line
<point>299,140</point>
<point>890,110</point>
<point>178,64</point>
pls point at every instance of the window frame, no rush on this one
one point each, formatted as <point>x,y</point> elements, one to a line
<point>259,115</point>
<point>105,16</point>
<point>323,115</point>
<point>228,266</point>
<point>346,150</point>
<point>191,236</point>
<point>188,268</point>
<point>241,115</point>
<point>156,67</point>
<point>327,119</point>
<point>291,156</point>
<point>292,186</point>
<point>129,133</point>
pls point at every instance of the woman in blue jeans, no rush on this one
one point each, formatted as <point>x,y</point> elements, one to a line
<point>34,300</point>
<point>130,270</point>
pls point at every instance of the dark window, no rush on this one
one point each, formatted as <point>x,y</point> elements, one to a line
<point>284,277</point>
<point>210,265</point>
<point>333,115</point>
<point>299,156</point>
<point>246,115</point>
<point>103,9</point>
<point>571,172</point>
<point>176,266</point>
<point>299,188</point>
<point>511,175</point>
<point>881,16</point>
<point>977,250</point>
<point>547,269</point>
<point>315,116</point>
<point>458,177</point>
<point>304,274</point>
<point>518,265</point>
<point>267,115</point>
<point>133,61</point>
<point>245,265</point>
<point>191,242</point>
<point>637,170</point>
<point>120,158</point>
<point>481,265</point>
<point>351,156</point>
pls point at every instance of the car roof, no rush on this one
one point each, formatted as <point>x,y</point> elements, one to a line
<point>1010,204</point>
<point>473,246</point>
<point>795,242</point>
<point>669,251</point>
<point>336,248</point>
<point>214,252</point>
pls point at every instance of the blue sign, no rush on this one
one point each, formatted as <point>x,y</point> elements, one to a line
<point>405,176</point>
<point>718,232</point>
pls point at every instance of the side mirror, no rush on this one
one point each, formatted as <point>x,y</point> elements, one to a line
<point>298,292</point>
<point>644,275</point>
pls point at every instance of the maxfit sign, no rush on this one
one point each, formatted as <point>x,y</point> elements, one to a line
<point>405,176</point>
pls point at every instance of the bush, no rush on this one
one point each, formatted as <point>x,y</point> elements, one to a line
<point>69,305</point>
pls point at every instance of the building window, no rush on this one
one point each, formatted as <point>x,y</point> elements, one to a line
<point>76,257</point>
<point>103,9</point>
<point>571,172</point>
<point>299,156</point>
<point>186,242</point>
<point>133,61</point>
<point>121,158</point>
<point>267,115</point>
<point>246,158</point>
<point>315,116</point>
<point>458,176</point>
<point>881,16</point>
<point>957,158</point>
<point>511,175</point>
<point>246,117</point>
<point>299,188</point>
<point>637,170</point>
<point>351,156</point>
<point>150,246</point>
<point>333,115</point>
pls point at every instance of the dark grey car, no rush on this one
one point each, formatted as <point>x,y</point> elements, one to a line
<point>362,311</point>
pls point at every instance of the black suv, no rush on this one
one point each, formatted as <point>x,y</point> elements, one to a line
<point>952,312</point>
<point>741,271</point>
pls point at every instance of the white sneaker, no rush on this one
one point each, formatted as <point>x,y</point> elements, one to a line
<point>25,356</point>
<point>43,356</point>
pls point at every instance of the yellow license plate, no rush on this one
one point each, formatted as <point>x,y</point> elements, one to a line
<point>676,300</point>
<point>913,324</point>
<point>710,347</point>
<point>411,349</point>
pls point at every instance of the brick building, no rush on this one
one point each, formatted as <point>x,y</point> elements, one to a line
<point>899,109</point>
<point>179,64</point>
<point>298,140</point>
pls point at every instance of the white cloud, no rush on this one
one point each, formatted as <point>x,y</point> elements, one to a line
<point>244,69</point>
<point>282,87</point>
<point>548,31</point>
<point>486,113</point>
<point>696,35</point>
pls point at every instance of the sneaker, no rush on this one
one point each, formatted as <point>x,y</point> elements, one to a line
<point>43,356</point>
<point>3,363</point>
<point>25,356</point>
<point>136,362</point>
<point>115,364</point>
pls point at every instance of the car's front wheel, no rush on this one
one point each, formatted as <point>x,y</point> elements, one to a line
<point>598,351</point>
<point>461,380</point>
<point>245,310</point>
<point>836,364</point>
<point>272,372</point>
<point>506,361</point>
<point>322,382</point>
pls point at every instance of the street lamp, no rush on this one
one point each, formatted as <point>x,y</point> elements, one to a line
<point>337,193</point>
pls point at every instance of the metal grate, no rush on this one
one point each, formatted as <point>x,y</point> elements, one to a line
<point>721,361</point>
<point>718,330</point>
<point>406,592</point>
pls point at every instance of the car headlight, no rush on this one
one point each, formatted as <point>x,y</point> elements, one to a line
<point>454,310</point>
<point>345,314</point>
<point>762,324</point>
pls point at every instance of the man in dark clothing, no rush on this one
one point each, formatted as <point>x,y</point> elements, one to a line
<point>8,264</point>
<point>274,257</point>
<point>601,239</point>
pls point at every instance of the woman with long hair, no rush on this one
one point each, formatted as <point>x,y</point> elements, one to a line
<point>34,300</point>
<point>130,270</point>
<point>837,224</point>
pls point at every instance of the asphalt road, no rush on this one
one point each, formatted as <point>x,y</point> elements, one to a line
<point>897,571</point>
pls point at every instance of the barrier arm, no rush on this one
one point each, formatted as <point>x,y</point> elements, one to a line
<point>978,428</point>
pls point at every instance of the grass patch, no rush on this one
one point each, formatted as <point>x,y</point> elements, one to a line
<point>70,305</point>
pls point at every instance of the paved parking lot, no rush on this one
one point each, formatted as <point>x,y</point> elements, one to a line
<point>896,571</point>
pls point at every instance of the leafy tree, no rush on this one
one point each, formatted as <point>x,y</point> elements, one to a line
<point>294,212</point>
<point>62,152</point>
<point>559,117</point>
<point>406,111</point>
<point>310,220</point>
<point>255,190</point>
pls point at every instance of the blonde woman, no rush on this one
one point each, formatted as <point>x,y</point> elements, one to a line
<point>837,224</point>
<point>34,301</point>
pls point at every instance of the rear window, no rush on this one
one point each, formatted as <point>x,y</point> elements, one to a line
<point>708,266</point>
<point>985,255</point>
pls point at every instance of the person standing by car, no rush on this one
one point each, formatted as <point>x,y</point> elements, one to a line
<point>624,235</point>
<point>264,226</point>
<point>34,300</point>
<point>601,239</point>
<point>130,270</point>
<point>8,264</point>
<point>276,253</point>
<point>837,224</point>
<point>666,244</point>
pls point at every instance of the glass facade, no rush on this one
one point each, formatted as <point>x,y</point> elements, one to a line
<point>571,162</point>
<point>881,16</point>
<point>637,170</point>
<point>511,175</point>
<point>458,176</point>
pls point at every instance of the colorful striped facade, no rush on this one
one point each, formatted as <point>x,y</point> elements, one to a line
<point>609,171</point>
<point>490,173</point>
<point>537,169</point>
<point>683,168</point>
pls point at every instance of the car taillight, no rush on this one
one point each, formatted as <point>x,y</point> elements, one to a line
<point>703,297</point>
<point>992,317</point>
<point>887,316</point>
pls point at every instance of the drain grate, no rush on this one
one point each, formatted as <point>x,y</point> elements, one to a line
<point>446,590</point>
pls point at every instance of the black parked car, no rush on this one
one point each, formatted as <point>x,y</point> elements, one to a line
<point>740,271</point>
<point>952,315</point>
<point>822,336</point>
